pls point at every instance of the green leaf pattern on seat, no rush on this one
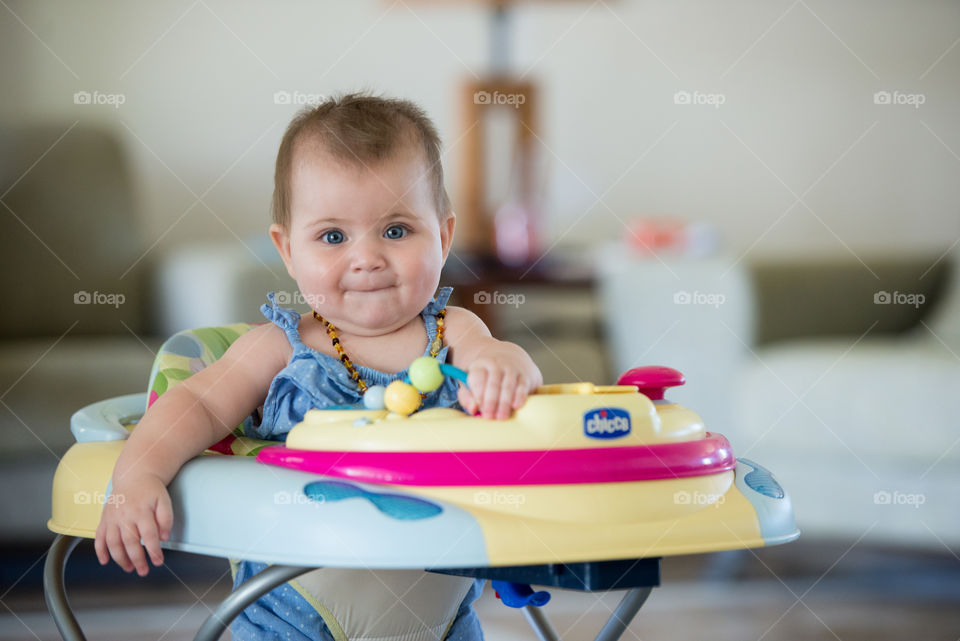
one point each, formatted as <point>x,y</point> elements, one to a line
<point>217,339</point>
<point>174,374</point>
<point>171,367</point>
<point>159,384</point>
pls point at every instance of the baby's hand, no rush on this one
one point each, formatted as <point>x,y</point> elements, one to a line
<point>497,384</point>
<point>140,509</point>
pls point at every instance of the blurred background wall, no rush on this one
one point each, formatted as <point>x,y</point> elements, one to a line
<point>796,81</point>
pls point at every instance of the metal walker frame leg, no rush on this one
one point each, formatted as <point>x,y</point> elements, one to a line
<point>614,628</point>
<point>213,627</point>
<point>53,589</point>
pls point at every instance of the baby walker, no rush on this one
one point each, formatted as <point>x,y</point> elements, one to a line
<point>585,487</point>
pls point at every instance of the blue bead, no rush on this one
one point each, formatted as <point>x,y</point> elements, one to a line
<point>373,397</point>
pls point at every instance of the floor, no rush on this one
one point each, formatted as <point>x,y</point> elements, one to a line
<point>805,590</point>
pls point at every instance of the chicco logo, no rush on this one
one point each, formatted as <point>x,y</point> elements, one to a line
<point>606,422</point>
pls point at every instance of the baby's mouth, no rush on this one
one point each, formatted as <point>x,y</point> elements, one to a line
<point>369,290</point>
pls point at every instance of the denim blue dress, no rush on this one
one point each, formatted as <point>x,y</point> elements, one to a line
<point>314,380</point>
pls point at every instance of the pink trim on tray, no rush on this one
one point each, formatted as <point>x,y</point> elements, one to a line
<point>709,455</point>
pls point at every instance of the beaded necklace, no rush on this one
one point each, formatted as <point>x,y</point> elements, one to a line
<point>435,347</point>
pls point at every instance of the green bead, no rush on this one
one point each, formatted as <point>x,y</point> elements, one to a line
<point>425,374</point>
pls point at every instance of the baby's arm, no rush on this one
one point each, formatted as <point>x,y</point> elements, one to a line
<point>500,375</point>
<point>182,423</point>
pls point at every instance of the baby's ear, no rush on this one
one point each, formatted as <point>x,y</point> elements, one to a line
<point>281,240</point>
<point>447,226</point>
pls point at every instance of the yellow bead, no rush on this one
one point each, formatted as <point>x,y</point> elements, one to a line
<point>401,398</point>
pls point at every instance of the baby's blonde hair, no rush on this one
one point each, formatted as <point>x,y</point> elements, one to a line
<point>358,129</point>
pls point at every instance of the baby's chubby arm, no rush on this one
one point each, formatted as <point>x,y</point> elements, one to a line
<point>187,419</point>
<point>500,375</point>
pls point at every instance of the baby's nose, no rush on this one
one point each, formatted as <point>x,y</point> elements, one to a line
<point>367,257</point>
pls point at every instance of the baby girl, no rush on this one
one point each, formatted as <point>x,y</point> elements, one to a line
<point>363,223</point>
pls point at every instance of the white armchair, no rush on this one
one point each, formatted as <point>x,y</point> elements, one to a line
<point>861,428</point>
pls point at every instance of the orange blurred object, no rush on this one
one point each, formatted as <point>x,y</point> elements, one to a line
<point>672,235</point>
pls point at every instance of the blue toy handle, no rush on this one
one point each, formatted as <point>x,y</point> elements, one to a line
<point>454,372</point>
<point>519,595</point>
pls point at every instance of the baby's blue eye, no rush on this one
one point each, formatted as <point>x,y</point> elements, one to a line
<point>333,237</point>
<point>395,231</point>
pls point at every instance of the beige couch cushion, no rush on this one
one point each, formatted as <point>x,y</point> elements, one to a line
<point>47,381</point>
<point>68,226</point>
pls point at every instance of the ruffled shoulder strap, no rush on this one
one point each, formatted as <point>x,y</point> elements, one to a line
<point>438,303</point>
<point>286,319</point>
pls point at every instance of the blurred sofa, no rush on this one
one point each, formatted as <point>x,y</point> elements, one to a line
<point>88,301</point>
<point>842,377</point>
<point>75,323</point>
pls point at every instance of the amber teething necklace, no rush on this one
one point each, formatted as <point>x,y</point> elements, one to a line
<point>435,346</point>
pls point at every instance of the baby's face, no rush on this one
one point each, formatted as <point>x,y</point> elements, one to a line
<point>365,243</point>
